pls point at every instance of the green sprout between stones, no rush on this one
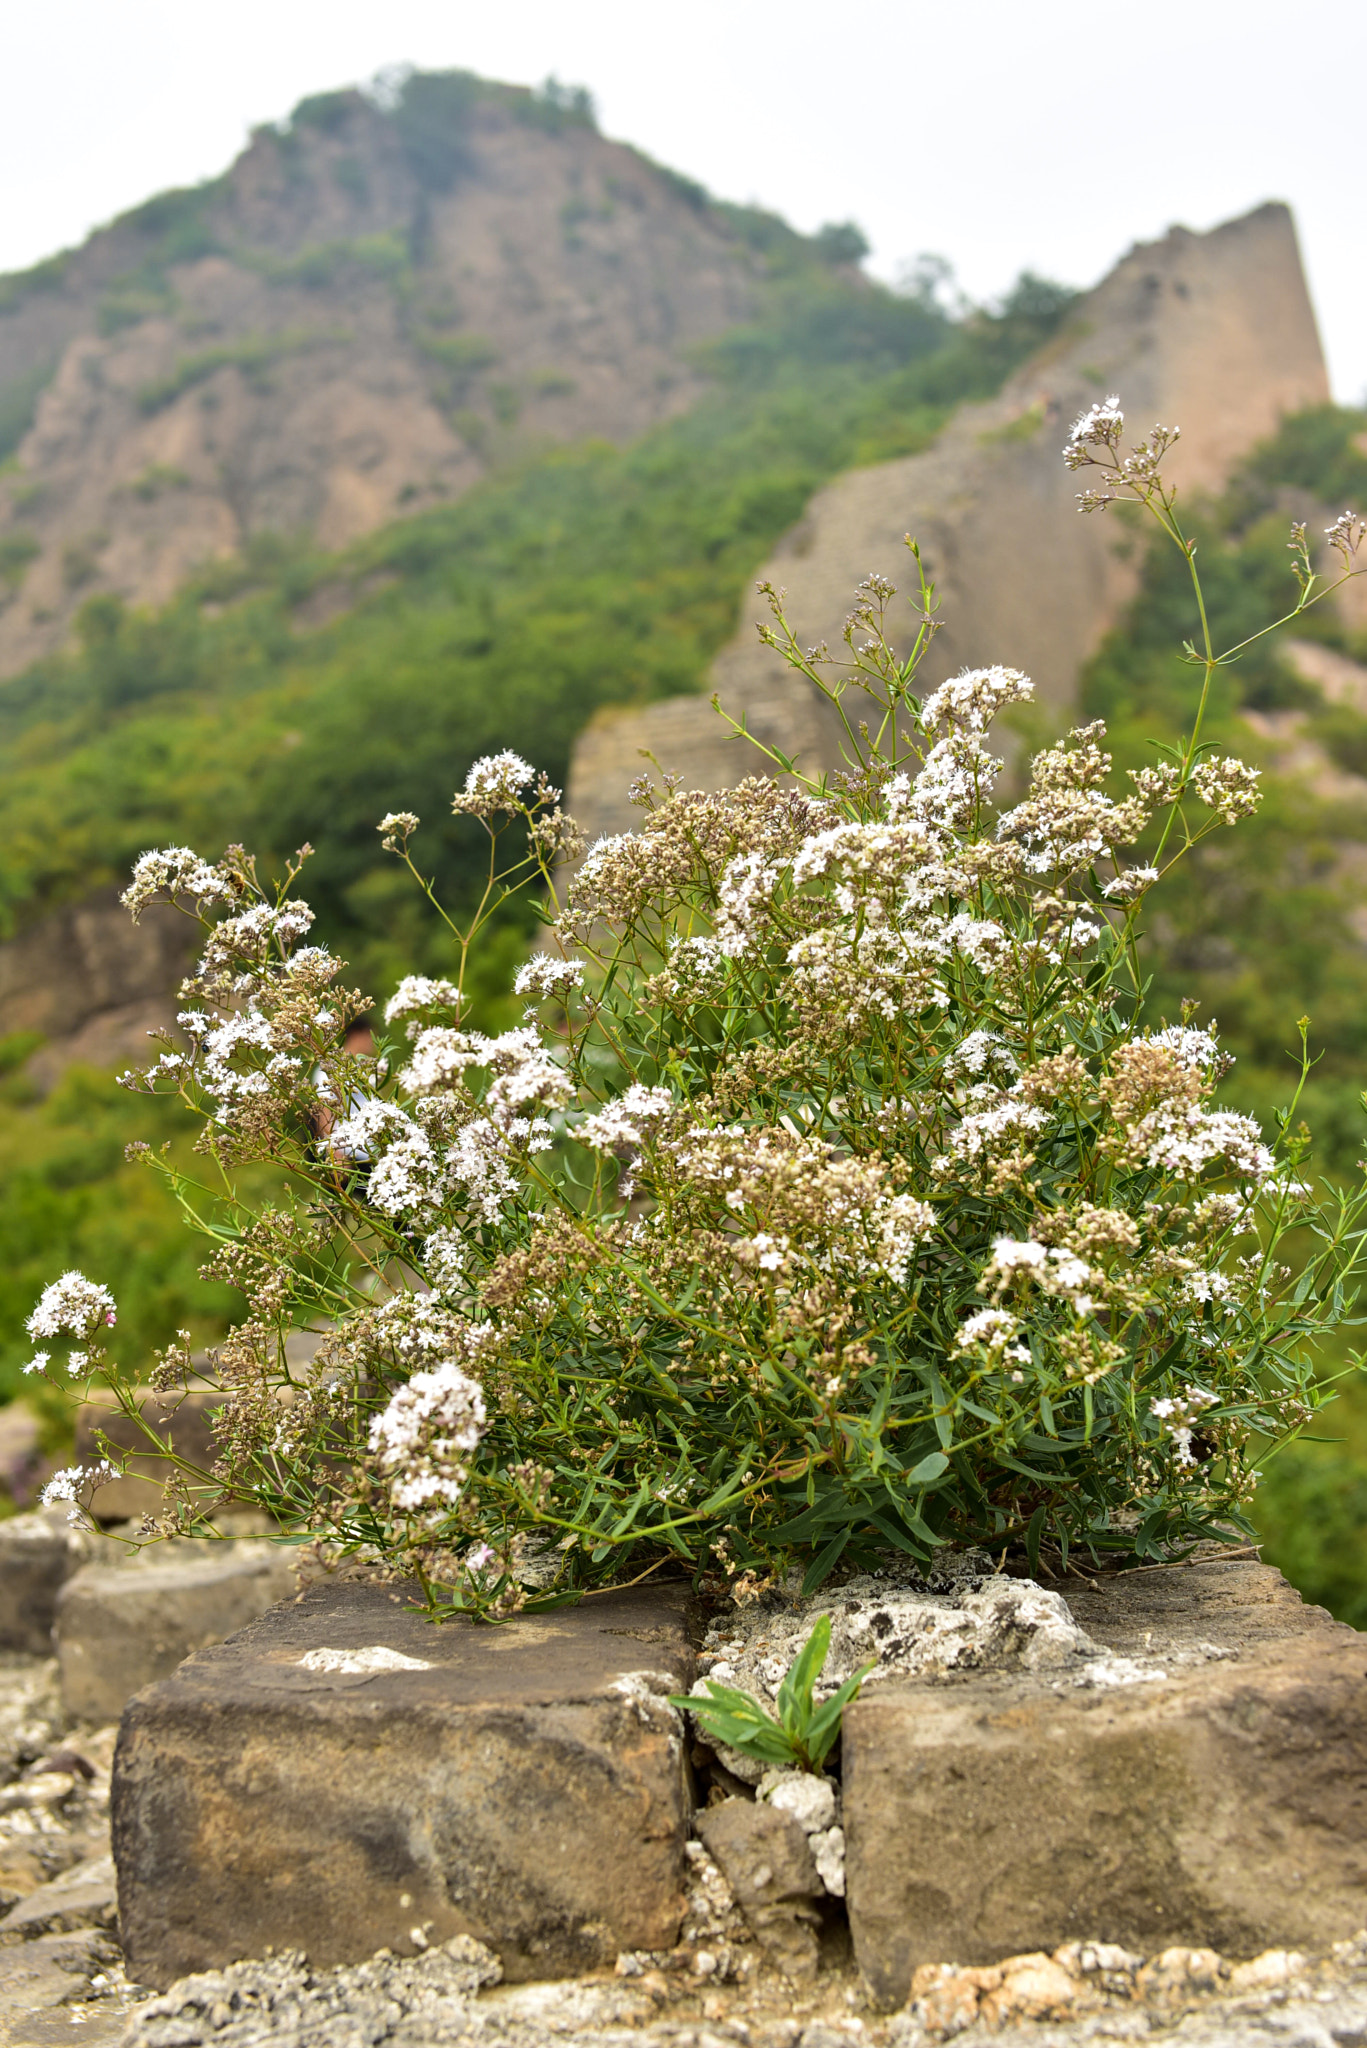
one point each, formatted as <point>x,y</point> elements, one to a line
<point>802,1733</point>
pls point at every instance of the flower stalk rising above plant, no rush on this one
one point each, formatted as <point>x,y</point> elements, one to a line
<point>835,1194</point>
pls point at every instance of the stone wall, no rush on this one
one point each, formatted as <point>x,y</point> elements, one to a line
<point>1212,332</point>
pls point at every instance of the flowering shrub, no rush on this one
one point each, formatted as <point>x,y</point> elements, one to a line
<point>831,1196</point>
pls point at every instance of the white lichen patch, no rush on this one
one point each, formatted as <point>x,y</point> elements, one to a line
<point>905,1631</point>
<point>1103,1672</point>
<point>367,1662</point>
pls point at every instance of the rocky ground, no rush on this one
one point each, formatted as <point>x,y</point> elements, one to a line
<point>61,1974</point>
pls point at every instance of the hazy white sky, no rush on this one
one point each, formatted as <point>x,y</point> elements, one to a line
<point>1002,135</point>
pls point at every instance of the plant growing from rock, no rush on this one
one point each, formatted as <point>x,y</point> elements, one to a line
<point>802,1733</point>
<point>833,1195</point>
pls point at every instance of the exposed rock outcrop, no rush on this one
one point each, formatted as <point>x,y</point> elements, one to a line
<point>93,982</point>
<point>1212,332</point>
<point>334,335</point>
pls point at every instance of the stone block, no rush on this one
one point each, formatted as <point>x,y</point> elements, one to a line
<point>184,1418</point>
<point>342,1776</point>
<point>120,1627</point>
<point>84,1896</point>
<point>38,1554</point>
<point>763,1854</point>
<point>1204,1781</point>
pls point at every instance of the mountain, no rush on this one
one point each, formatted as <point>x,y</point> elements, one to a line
<point>374,307</point>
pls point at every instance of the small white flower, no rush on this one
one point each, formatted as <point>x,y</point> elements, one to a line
<point>1099,427</point>
<point>1133,882</point>
<point>622,1125</point>
<point>72,1303</point>
<point>495,783</point>
<point>544,975</point>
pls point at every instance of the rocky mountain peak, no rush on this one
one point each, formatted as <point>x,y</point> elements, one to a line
<point>376,303</point>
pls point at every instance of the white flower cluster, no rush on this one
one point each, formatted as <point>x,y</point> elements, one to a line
<point>971,700</point>
<point>623,1126</point>
<point>1194,1048</point>
<point>1229,787</point>
<point>76,1483</point>
<point>240,948</point>
<point>986,1134</point>
<point>418,995</point>
<point>625,1123</point>
<point>398,828</point>
<point>799,1192</point>
<point>1130,883</point>
<point>72,1306</point>
<point>1179,1412</point>
<point>445,1261</point>
<point>524,1073</point>
<point>1100,426</point>
<point>978,1055</point>
<point>1184,1141</point>
<point>495,783</point>
<point>172,871</point>
<point>1067,821</point>
<point>1346,535</point>
<point>424,1439</point>
<point>544,975</point>
<point>1055,1269</point>
<point>414,1174</point>
<point>992,1331</point>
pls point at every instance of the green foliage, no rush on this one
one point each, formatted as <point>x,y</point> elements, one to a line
<point>432,119</point>
<point>554,106</point>
<point>464,353</point>
<point>253,354</point>
<point>1311,1509</point>
<point>841,242</point>
<point>803,1733</point>
<point>18,285</point>
<point>158,477</point>
<point>323,264</point>
<point>69,1198</point>
<point>328,112</point>
<point>177,226</point>
<point>17,550</point>
<point>19,403</point>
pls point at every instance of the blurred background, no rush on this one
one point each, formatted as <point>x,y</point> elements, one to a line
<point>381,387</point>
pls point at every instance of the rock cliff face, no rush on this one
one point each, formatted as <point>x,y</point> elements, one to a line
<point>1212,332</point>
<point>350,325</point>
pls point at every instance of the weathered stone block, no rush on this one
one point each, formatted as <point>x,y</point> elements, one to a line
<point>342,1776</point>
<point>38,1554</point>
<point>84,1896</point>
<point>762,1853</point>
<point>1207,1785</point>
<point>119,1627</point>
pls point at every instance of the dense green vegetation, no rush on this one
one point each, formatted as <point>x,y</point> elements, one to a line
<point>593,575</point>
